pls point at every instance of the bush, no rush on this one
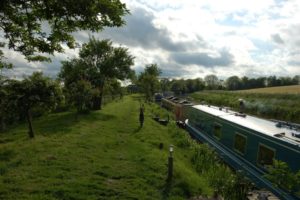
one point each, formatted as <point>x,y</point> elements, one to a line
<point>281,176</point>
<point>181,137</point>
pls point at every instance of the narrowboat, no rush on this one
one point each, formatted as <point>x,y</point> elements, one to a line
<point>176,106</point>
<point>246,142</point>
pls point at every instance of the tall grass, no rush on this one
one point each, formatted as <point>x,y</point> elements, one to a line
<point>275,106</point>
<point>205,161</point>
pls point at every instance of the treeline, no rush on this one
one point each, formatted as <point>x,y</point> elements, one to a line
<point>212,82</point>
<point>236,83</point>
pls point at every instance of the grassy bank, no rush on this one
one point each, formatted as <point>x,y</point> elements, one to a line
<point>281,106</point>
<point>103,155</point>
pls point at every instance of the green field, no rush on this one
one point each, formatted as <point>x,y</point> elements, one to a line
<point>282,103</point>
<point>102,155</point>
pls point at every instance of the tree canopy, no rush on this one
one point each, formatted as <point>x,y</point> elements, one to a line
<point>32,27</point>
<point>34,91</point>
<point>148,80</point>
<point>99,63</point>
<point>211,81</point>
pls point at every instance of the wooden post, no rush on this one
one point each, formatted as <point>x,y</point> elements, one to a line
<point>170,163</point>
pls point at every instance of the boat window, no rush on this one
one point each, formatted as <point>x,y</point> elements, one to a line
<point>217,132</point>
<point>240,142</point>
<point>265,155</point>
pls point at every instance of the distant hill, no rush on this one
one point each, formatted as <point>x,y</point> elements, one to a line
<point>292,89</point>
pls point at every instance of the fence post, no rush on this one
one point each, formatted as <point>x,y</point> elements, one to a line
<point>170,163</point>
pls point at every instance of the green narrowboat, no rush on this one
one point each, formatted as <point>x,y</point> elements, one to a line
<point>246,142</point>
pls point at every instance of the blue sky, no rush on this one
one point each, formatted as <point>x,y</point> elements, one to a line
<point>191,38</point>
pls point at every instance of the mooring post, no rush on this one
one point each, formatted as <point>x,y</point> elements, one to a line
<point>170,163</point>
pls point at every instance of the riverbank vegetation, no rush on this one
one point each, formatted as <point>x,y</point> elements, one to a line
<point>280,106</point>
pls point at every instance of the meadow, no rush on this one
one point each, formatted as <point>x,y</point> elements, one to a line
<point>281,103</point>
<point>106,155</point>
<point>292,89</point>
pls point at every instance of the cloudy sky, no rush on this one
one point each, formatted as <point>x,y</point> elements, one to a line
<point>192,38</point>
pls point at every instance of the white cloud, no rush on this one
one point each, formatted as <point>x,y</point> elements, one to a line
<point>260,38</point>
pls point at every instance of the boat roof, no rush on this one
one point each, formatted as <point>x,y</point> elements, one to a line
<point>267,127</point>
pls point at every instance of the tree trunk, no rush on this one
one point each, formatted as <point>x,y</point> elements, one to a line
<point>2,125</point>
<point>30,127</point>
<point>100,99</point>
<point>96,103</point>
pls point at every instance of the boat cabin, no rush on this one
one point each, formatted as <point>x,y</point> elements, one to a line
<point>254,141</point>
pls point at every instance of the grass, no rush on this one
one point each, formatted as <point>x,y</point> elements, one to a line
<point>267,105</point>
<point>102,155</point>
<point>292,89</point>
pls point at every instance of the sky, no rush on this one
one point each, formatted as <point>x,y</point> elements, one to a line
<point>192,39</point>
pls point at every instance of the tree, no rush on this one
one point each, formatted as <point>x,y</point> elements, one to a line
<point>190,85</point>
<point>296,80</point>
<point>245,82</point>
<point>233,83</point>
<point>34,91</point>
<point>73,70</point>
<point>105,62</point>
<point>5,110</point>
<point>43,26</point>
<point>273,81</point>
<point>199,84</point>
<point>211,81</point>
<point>165,84</point>
<point>81,93</point>
<point>179,87</point>
<point>78,88</point>
<point>3,104</point>
<point>148,81</point>
<point>113,88</point>
<point>3,65</point>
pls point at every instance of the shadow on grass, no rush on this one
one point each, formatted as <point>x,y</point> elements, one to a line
<point>166,189</point>
<point>63,122</point>
<point>137,98</point>
<point>137,129</point>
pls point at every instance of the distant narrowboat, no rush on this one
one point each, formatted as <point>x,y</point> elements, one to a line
<point>176,106</point>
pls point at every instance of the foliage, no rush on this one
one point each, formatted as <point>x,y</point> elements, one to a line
<point>3,65</point>
<point>182,139</point>
<point>113,88</point>
<point>81,93</point>
<point>233,83</point>
<point>148,81</point>
<point>179,87</point>
<point>101,65</point>
<point>3,103</point>
<point>211,82</point>
<point>165,84</point>
<point>206,162</point>
<point>32,92</point>
<point>43,26</point>
<point>236,83</point>
<point>281,176</point>
<point>105,63</point>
